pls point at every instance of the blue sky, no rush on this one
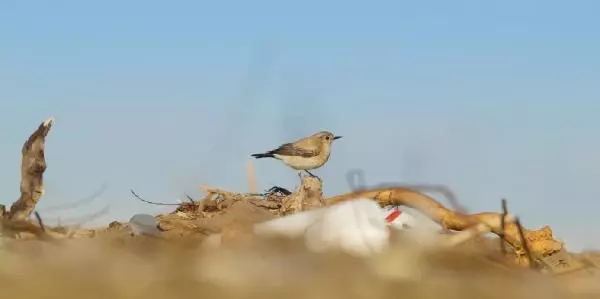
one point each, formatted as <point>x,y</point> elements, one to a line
<point>492,98</point>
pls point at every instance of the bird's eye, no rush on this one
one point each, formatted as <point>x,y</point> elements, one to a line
<point>327,137</point>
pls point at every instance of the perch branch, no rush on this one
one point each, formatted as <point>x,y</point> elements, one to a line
<point>33,165</point>
<point>307,197</point>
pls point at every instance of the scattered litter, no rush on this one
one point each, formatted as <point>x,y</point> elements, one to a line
<point>144,224</point>
<point>399,219</point>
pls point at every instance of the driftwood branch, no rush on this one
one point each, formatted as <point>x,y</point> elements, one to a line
<point>33,165</point>
<point>541,242</point>
<point>466,235</point>
<point>357,181</point>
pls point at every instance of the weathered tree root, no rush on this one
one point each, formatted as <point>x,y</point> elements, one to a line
<point>540,242</point>
<point>33,165</point>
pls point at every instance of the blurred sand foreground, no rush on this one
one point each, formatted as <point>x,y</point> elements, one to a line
<point>118,266</point>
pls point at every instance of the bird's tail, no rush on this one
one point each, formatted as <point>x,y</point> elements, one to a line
<point>263,155</point>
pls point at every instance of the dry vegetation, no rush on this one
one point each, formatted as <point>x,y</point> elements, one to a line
<point>72,262</point>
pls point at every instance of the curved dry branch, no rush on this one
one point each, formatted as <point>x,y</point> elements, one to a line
<point>540,242</point>
<point>33,165</point>
<point>357,182</point>
<point>140,198</point>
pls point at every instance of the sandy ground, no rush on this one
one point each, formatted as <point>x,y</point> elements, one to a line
<point>121,266</point>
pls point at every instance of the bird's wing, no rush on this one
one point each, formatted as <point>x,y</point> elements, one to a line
<point>290,149</point>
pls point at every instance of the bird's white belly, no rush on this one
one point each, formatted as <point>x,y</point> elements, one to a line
<point>302,163</point>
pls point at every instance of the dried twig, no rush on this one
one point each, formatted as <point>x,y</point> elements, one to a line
<point>39,220</point>
<point>190,199</point>
<point>152,202</point>
<point>503,227</point>
<point>524,244</point>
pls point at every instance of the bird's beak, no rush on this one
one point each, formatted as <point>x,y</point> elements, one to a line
<point>337,137</point>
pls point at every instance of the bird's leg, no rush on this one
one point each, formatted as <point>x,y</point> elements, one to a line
<point>312,175</point>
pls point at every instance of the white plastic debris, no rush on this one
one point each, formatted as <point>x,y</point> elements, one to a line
<point>356,227</point>
<point>144,224</point>
<point>399,219</point>
<point>292,226</point>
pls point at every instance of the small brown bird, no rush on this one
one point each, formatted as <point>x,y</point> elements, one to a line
<point>304,154</point>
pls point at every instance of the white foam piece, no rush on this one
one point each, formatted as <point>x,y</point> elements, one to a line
<point>292,226</point>
<point>356,227</point>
